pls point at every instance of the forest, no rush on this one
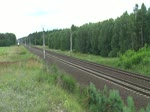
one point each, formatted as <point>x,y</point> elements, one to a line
<point>108,38</point>
<point>7,39</point>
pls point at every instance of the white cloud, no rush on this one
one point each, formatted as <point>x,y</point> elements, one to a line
<point>27,16</point>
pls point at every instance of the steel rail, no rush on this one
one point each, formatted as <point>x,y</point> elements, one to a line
<point>139,76</point>
<point>127,84</point>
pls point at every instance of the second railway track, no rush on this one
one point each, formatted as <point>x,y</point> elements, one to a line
<point>137,83</point>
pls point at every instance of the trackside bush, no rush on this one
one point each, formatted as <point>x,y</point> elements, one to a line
<point>68,83</point>
<point>94,97</point>
<point>109,101</point>
<point>105,101</point>
<point>131,58</point>
<point>146,110</point>
<point>65,81</point>
<point>115,102</point>
<point>44,75</point>
<point>130,105</point>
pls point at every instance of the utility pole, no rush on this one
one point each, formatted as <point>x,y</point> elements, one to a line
<point>35,41</point>
<point>142,39</point>
<point>25,41</point>
<point>70,40</point>
<point>29,41</point>
<point>43,44</point>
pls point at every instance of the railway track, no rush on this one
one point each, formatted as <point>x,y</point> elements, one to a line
<point>134,82</point>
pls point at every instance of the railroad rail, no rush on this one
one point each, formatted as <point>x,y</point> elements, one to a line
<point>134,82</point>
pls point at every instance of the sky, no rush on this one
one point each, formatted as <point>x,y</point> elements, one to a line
<point>23,17</point>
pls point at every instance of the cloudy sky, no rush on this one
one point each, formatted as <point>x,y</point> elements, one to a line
<point>23,17</point>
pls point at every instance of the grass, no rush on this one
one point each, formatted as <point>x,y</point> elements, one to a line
<point>14,53</point>
<point>22,91</point>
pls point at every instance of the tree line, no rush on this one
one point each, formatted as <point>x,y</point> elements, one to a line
<point>107,38</point>
<point>7,39</point>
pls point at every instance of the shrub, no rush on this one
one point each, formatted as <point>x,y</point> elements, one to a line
<point>115,102</point>
<point>127,63</point>
<point>63,80</point>
<point>146,61</point>
<point>94,98</point>
<point>105,101</point>
<point>148,108</point>
<point>130,57</point>
<point>125,59</point>
<point>44,75</point>
<point>68,83</point>
<point>130,105</point>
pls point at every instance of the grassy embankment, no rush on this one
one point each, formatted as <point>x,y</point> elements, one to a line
<point>138,62</point>
<point>25,86</point>
<point>28,85</point>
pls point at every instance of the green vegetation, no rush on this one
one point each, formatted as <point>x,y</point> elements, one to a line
<point>107,38</point>
<point>110,101</point>
<point>14,53</point>
<point>29,85</point>
<point>104,101</point>
<point>136,61</point>
<point>7,39</point>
